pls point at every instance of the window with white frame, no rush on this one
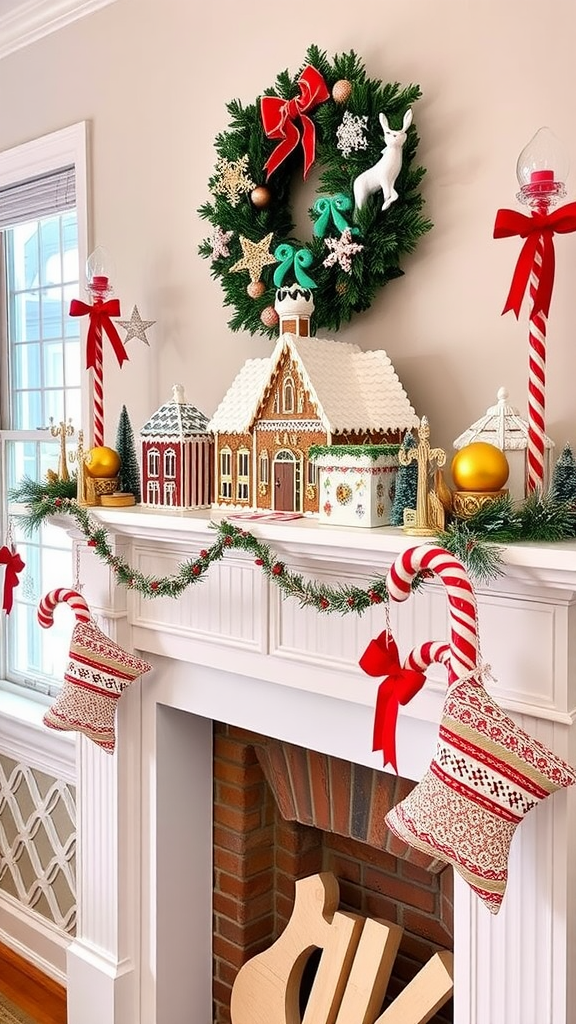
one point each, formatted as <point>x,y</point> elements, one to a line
<point>243,475</point>
<point>42,246</point>
<point>153,462</point>
<point>170,463</point>
<point>153,492</point>
<point>288,395</point>
<point>264,463</point>
<point>226,473</point>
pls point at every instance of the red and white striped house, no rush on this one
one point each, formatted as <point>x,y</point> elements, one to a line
<point>177,456</point>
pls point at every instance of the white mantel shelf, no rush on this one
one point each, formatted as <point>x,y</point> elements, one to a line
<point>231,649</point>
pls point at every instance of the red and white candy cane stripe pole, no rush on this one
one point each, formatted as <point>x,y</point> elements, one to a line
<point>432,652</point>
<point>536,383</point>
<point>461,599</point>
<point>98,391</point>
<point>54,597</point>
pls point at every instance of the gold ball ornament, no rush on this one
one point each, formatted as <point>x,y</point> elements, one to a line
<point>102,462</point>
<point>261,197</point>
<point>480,467</point>
<point>255,289</point>
<point>341,90</point>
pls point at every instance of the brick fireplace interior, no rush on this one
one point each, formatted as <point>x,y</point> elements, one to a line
<point>282,812</point>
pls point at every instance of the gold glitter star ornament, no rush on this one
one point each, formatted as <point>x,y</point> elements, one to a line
<point>136,327</point>
<point>256,256</point>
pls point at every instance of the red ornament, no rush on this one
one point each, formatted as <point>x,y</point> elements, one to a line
<point>203,553</point>
<point>228,542</point>
<point>259,561</point>
<point>196,570</point>
<point>91,544</point>
<point>350,602</point>
<point>58,502</point>
<point>255,289</point>
<point>374,597</point>
<point>269,316</point>
<point>277,569</point>
<point>324,602</point>
<point>154,586</point>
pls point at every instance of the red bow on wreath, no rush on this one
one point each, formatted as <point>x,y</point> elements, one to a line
<point>100,321</point>
<point>278,116</point>
<point>399,687</point>
<point>537,229</point>
<point>14,564</point>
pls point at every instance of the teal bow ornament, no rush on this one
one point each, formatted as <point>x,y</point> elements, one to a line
<point>296,260</point>
<point>330,209</point>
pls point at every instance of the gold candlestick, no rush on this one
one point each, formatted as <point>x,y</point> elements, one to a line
<point>63,430</point>
<point>424,520</point>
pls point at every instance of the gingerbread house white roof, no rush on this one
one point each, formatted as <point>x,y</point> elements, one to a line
<point>353,390</point>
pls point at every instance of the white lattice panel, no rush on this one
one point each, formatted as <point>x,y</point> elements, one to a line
<point>38,842</point>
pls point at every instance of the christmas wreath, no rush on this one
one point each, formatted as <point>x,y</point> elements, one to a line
<point>333,115</point>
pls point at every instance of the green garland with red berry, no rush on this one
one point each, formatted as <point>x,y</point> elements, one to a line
<point>328,114</point>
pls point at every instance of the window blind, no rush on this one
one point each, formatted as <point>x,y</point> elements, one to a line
<point>38,197</point>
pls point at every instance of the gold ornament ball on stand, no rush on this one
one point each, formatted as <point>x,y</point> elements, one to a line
<point>479,471</point>
<point>102,462</point>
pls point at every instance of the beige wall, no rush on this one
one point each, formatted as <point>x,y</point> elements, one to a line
<point>153,79</point>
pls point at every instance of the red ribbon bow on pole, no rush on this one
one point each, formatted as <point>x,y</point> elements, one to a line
<point>278,116</point>
<point>14,564</point>
<point>100,321</point>
<point>539,228</point>
<point>402,684</point>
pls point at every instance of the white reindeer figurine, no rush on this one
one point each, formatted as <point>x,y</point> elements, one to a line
<point>383,174</point>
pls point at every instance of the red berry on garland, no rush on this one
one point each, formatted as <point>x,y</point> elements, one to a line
<point>228,542</point>
<point>277,569</point>
<point>269,316</point>
<point>203,553</point>
<point>57,502</point>
<point>196,569</point>
<point>255,289</point>
<point>259,561</point>
<point>261,197</point>
<point>154,586</point>
<point>341,90</point>
<point>324,602</point>
<point>91,544</point>
<point>374,597</point>
<point>350,602</point>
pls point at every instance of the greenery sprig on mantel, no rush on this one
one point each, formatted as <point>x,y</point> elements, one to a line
<point>475,541</point>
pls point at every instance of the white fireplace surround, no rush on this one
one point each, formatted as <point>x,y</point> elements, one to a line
<point>231,649</point>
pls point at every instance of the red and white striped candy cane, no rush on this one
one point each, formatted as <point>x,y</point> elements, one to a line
<point>432,652</point>
<point>461,598</point>
<point>98,391</point>
<point>54,597</point>
<point>536,382</point>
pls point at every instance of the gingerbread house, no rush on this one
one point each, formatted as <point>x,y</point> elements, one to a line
<point>177,456</point>
<point>310,392</point>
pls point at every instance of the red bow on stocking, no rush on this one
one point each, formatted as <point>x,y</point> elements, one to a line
<point>537,229</point>
<point>401,684</point>
<point>100,322</point>
<point>278,117</point>
<point>14,564</point>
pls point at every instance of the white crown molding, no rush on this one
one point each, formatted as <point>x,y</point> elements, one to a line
<point>29,21</point>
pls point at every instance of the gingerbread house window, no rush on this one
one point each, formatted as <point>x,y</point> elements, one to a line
<point>153,462</point>
<point>288,395</point>
<point>170,463</point>
<point>264,468</point>
<point>226,473</point>
<point>311,473</point>
<point>170,493</point>
<point>153,492</point>
<point>243,475</point>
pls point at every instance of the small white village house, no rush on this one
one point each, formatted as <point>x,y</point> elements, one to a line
<point>177,456</point>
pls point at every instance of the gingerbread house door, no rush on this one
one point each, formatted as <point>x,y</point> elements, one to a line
<point>284,480</point>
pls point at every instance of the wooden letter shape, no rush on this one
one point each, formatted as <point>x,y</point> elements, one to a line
<point>267,987</point>
<point>370,972</point>
<point>426,993</point>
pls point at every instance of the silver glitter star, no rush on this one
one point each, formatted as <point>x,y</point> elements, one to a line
<point>136,327</point>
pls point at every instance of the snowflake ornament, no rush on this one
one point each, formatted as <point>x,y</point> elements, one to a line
<point>219,243</point>
<point>351,133</point>
<point>234,180</point>
<point>343,249</point>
